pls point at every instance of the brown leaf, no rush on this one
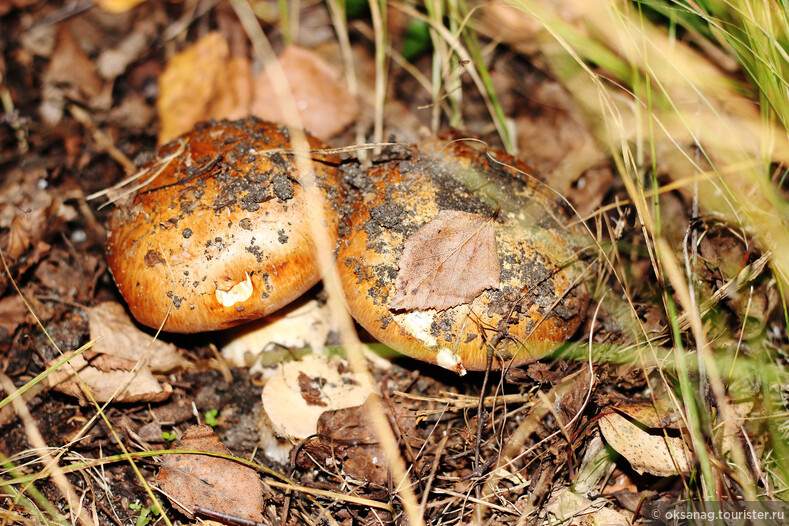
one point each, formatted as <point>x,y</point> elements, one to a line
<point>12,315</point>
<point>119,346</point>
<point>448,261</point>
<point>325,105</point>
<point>346,439</point>
<point>215,483</point>
<point>70,276</point>
<point>350,435</point>
<point>637,433</point>
<point>118,335</point>
<point>102,375</point>
<point>191,84</point>
<point>70,75</point>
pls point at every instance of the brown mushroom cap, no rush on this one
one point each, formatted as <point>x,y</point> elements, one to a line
<point>228,219</point>
<point>540,300</point>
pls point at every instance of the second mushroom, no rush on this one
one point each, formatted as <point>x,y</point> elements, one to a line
<point>456,256</point>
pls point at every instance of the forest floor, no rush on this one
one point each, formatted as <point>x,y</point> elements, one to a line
<point>595,433</point>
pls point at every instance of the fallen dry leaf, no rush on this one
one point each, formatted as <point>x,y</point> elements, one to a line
<point>235,99</point>
<point>12,314</point>
<point>552,135</point>
<point>346,440</point>
<point>192,82</point>
<point>69,275</point>
<point>324,103</point>
<point>641,439</point>
<point>118,335</point>
<point>217,484</point>
<point>348,436</point>
<point>70,75</point>
<point>29,215</point>
<point>120,346</point>
<point>205,81</point>
<point>103,375</point>
<point>447,262</point>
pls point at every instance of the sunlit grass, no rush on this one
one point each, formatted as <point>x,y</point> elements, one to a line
<point>681,91</point>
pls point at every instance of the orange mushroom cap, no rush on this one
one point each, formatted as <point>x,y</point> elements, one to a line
<point>221,233</point>
<point>541,298</point>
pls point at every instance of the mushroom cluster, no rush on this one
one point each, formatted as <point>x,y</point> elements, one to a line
<point>445,254</point>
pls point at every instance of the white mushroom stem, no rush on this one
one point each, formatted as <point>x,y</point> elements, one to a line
<point>301,324</point>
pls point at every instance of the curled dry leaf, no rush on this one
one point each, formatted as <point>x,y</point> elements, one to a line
<point>218,484</point>
<point>103,375</point>
<point>119,336</point>
<point>346,440</point>
<point>347,437</point>
<point>447,262</point>
<point>108,364</point>
<point>641,438</point>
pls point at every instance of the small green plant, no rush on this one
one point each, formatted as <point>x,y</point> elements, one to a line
<point>210,417</point>
<point>416,41</point>
<point>146,514</point>
<point>168,436</point>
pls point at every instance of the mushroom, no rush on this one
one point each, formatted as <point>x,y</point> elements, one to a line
<point>220,230</point>
<point>539,299</point>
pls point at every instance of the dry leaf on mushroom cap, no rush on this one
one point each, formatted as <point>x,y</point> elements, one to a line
<point>448,261</point>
